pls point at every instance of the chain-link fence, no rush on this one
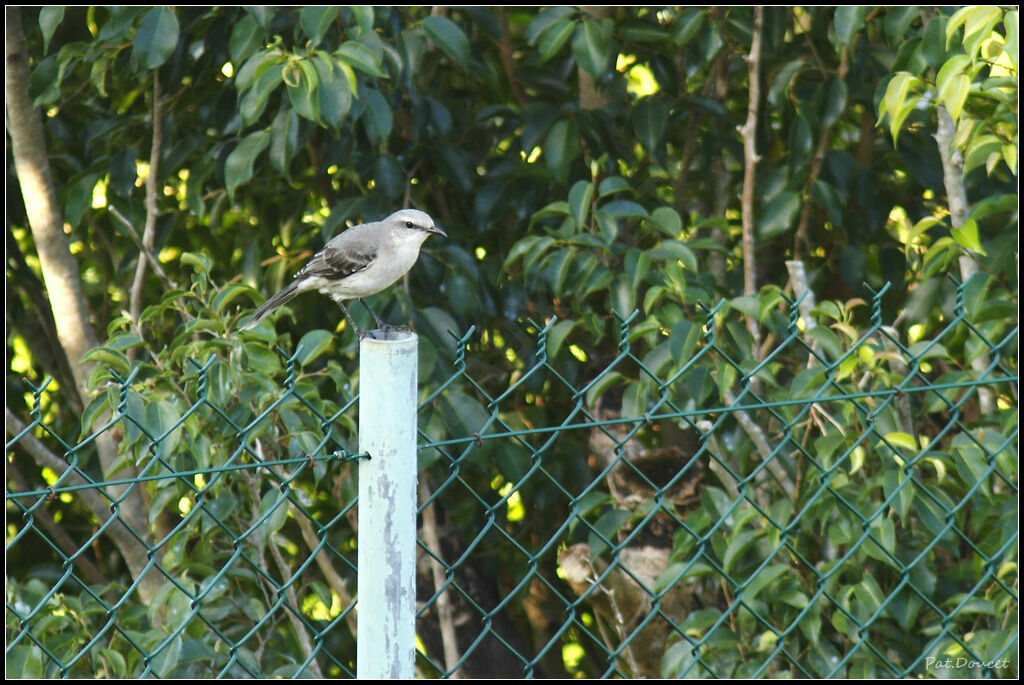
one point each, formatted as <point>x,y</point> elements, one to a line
<point>829,507</point>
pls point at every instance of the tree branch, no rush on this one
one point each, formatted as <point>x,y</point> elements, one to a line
<point>445,614</point>
<point>121,532</point>
<point>749,134</point>
<point>42,518</point>
<point>152,185</point>
<point>956,195</point>
<point>150,257</point>
<point>800,237</point>
<point>507,62</point>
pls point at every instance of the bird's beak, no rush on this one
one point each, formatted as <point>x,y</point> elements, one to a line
<point>437,230</point>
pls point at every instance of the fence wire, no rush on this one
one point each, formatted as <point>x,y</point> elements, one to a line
<point>826,510</point>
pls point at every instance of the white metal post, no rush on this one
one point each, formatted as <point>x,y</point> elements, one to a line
<point>386,622</point>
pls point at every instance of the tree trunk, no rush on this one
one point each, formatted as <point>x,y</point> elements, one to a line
<point>61,277</point>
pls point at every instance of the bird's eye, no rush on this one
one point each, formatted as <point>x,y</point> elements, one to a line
<point>408,224</point>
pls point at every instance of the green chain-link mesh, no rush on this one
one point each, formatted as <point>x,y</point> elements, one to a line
<point>810,527</point>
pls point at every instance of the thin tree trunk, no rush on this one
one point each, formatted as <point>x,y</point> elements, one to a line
<point>956,194</point>
<point>61,276</point>
<point>749,134</point>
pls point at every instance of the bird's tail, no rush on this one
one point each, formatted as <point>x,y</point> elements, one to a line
<point>286,294</point>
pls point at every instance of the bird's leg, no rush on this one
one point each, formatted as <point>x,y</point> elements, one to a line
<point>386,327</point>
<point>380,324</point>
<point>359,332</point>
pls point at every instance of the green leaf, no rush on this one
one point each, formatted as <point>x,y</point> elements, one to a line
<point>447,35</point>
<point>683,340</point>
<point>114,663</point>
<point>592,45</point>
<point>273,506</point>
<point>823,195</point>
<point>624,208</point>
<point>545,20</point>
<point>895,102</point>
<point>254,67</point>
<point>465,416</point>
<point>600,385</point>
<point>377,117</point>
<point>334,89</point>
<point>557,335</point>
<point>980,151</point>
<point>246,38</point>
<point>239,164</point>
<point>978,22</point>
<point>995,204</point>
<point>109,358</point>
<point>25,661</point>
<point>44,81</point>
<point>933,41</point>
<point>284,139</point>
<point>362,58</point>
<point>953,85</point>
<point>313,344</point>
<point>605,529</point>
<point>835,102</point>
<point>315,20</point>
<point>443,328</point>
<point>897,21</point>
<point>613,185</point>
<point>673,249</point>
<point>778,215</point>
<point>779,87</point>
<point>124,341</point>
<point>954,66</point>
<point>801,142</point>
<point>388,175</point>
<point>255,100</point>
<point>261,14</point>
<point>229,293</point>
<point>49,19</point>
<point>77,198</point>
<point>738,545</point>
<point>967,237</point>
<point>667,220</point>
<point>580,197</point>
<point>561,148</point>
<point>303,86</point>
<point>687,24</point>
<point>1012,31</point>
<point>650,118</point>
<point>826,337</point>
<point>553,38</point>
<point>763,579</point>
<point>895,485</point>
<point>902,440</point>
<point>848,20</point>
<point>882,543</point>
<point>156,38</point>
<point>531,246</point>
<point>197,260</point>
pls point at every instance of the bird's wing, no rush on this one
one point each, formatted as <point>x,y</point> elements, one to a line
<point>340,258</point>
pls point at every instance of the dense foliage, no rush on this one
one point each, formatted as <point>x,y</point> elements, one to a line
<point>592,169</point>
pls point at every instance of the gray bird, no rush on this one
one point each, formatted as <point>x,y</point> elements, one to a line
<point>358,262</point>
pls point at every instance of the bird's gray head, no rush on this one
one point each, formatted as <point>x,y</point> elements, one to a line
<point>414,220</point>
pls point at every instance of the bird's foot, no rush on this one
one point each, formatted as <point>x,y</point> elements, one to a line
<point>386,330</point>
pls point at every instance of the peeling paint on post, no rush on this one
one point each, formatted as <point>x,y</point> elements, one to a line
<point>386,607</point>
